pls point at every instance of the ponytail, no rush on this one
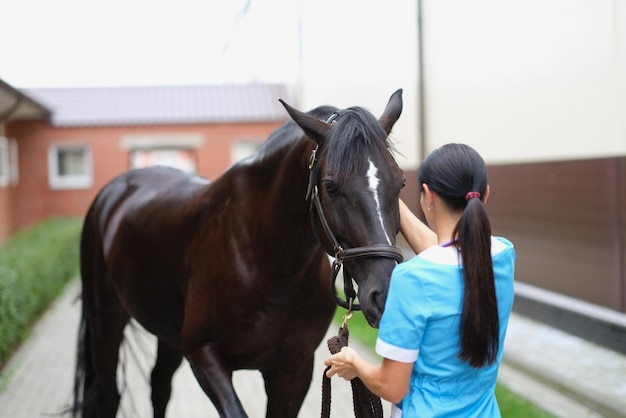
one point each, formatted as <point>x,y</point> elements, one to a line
<point>480,326</point>
<point>458,174</point>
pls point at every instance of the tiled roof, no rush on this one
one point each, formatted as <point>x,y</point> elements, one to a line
<point>164,105</point>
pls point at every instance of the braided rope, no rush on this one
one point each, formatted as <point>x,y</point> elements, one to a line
<point>366,404</point>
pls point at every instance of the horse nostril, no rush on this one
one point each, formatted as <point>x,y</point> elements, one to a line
<point>378,302</point>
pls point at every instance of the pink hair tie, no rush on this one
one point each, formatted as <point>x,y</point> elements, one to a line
<point>471,195</point>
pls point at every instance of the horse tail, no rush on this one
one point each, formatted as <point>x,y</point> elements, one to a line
<point>85,379</point>
<point>84,376</point>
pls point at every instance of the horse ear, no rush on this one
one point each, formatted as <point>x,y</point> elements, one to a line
<point>392,111</point>
<point>314,128</point>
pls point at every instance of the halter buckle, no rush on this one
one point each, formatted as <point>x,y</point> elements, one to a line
<point>313,157</point>
<point>338,250</point>
<point>312,176</point>
<point>348,315</point>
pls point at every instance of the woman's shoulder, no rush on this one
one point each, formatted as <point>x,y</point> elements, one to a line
<point>449,255</point>
<point>438,255</point>
<point>501,245</point>
<point>430,266</point>
<point>502,241</point>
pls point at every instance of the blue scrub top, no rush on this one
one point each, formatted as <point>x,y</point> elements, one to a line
<point>421,323</point>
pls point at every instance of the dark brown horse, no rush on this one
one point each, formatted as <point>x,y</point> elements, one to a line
<point>235,274</point>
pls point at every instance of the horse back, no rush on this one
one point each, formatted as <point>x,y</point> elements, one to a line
<point>139,226</point>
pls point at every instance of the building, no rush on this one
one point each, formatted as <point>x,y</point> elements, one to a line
<point>59,147</point>
<point>539,89</point>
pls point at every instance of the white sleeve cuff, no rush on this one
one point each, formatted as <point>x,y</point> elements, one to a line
<point>392,352</point>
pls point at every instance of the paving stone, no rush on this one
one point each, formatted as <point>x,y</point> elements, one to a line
<point>563,374</point>
<point>38,380</point>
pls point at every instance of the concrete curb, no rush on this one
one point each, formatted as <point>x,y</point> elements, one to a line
<point>589,374</point>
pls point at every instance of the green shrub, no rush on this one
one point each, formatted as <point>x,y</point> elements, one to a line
<point>35,265</point>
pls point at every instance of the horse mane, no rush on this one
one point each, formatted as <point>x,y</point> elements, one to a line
<point>356,132</point>
<point>288,133</point>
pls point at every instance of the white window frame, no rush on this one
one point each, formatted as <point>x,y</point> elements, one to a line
<point>64,182</point>
<point>14,162</point>
<point>165,142</point>
<point>244,148</point>
<point>190,168</point>
<point>5,162</point>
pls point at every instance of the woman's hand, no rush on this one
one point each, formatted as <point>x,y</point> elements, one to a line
<point>390,380</point>
<point>342,364</point>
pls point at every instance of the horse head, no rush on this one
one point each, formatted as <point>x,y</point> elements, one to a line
<point>354,187</point>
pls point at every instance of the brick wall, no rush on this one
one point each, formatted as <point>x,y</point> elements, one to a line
<point>34,200</point>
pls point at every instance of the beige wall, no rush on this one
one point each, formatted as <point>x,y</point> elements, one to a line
<point>538,87</point>
<point>526,80</point>
<point>520,80</point>
<point>357,53</point>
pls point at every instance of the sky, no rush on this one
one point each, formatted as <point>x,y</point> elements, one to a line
<point>357,51</point>
<point>78,43</point>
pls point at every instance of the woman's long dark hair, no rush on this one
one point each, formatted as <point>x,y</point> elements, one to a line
<point>458,174</point>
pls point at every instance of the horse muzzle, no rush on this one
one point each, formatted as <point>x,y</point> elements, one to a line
<point>372,275</point>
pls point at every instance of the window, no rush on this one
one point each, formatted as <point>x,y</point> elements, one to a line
<point>15,172</point>
<point>183,159</point>
<point>8,162</point>
<point>172,150</point>
<point>70,167</point>
<point>243,149</point>
<point>5,168</point>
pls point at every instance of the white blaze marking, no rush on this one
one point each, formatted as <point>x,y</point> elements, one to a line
<point>373,186</point>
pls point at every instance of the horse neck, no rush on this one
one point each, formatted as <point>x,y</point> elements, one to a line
<point>274,187</point>
<point>286,193</point>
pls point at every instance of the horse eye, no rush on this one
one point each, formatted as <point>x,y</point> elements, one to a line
<point>330,186</point>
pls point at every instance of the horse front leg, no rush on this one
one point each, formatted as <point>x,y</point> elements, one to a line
<point>215,378</point>
<point>286,389</point>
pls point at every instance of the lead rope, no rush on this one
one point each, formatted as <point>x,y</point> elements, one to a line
<point>366,404</point>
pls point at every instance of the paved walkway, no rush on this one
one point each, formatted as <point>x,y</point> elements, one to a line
<point>546,366</point>
<point>38,380</point>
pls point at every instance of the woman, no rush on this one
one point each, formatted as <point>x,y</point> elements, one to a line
<point>442,333</point>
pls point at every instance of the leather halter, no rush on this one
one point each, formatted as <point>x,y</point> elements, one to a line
<point>341,254</point>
